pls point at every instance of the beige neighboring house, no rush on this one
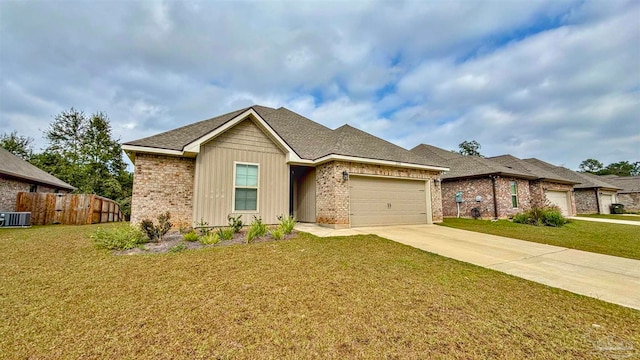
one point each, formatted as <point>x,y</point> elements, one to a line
<point>266,162</point>
<point>593,195</point>
<point>17,175</point>
<point>629,193</point>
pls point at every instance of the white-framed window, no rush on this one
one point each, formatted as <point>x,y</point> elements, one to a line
<point>246,180</point>
<point>514,193</point>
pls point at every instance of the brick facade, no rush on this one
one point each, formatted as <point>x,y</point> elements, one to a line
<point>332,193</point>
<point>160,184</point>
<point>630,200</point>
<point>586,201</point>
<point>9,190</point>
<point>471,188</point>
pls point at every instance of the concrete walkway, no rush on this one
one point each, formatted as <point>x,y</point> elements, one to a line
<point>612,221</point>
<point>608,278</point>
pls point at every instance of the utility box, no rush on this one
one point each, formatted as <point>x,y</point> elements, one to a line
<point>459,197</point>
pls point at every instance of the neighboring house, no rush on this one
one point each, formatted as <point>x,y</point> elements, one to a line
<point>592,194</point>
<point>629,193</point>
<point>548,187</point>
<point>266,162</point>
<point>17,175</point>
<point>497,190</point>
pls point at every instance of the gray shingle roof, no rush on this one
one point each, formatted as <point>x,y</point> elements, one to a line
<point>583,181</point>
<point>307,138</point>
<point>513,162</point>
<point>466,166</point>
<point>14,166</point>
<point>628,184</point>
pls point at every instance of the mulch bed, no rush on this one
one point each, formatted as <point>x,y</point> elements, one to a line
<point>174,239</point>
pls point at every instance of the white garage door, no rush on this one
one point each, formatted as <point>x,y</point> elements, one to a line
<point>560,199</point>
<point>385,201</point>
<point>605,204</point>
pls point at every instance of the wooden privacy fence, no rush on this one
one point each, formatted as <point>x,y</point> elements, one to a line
<point>69,209</point>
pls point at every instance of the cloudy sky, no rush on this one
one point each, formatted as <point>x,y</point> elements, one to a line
<point>557,80</point>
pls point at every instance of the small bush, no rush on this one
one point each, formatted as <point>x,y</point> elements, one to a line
<point>191,236</point>
<point>277,233</point>
<point>235,223</point>
<point>287,223</point>
<point>225,233</point>
<point>256,229</point>
<point>178,248</point>
<point>554,218</point>
<point>520,218</point>
<point>203,227</point>
<point>156,232</point>
<point>210,239</point>
<point>539,216</point>
<point>119,238</point>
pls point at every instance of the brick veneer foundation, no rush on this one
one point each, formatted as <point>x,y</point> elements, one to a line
<point>332,193</point>
<point>160,184</point>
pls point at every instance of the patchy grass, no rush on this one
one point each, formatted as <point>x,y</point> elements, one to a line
<point>309,297</point>
<point>610,239</point>
<point>612,216</point>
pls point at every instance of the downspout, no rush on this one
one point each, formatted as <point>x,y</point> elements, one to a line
<point>598,200</point>
<point>495,200</point>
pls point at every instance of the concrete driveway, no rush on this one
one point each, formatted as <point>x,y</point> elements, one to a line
<point>608,278</point>
<point>604,220</point>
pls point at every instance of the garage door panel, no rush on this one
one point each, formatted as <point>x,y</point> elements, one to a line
<point>560,199</point>
<point>382,201</point>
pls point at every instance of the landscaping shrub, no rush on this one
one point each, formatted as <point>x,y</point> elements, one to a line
<point>287,223</point>
<point>277,233</point>
<point>554,218</point>
<point>210,239</point>
<point>225,233</point>
<point>256,229</point>
<point>235,223</point>
<point>191,236</point>
<point>156,232</point>
<point>178,248</point>
<point>119,238</point>
<point>539,216</point>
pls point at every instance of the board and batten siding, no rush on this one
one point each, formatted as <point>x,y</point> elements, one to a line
<point>306,197</point>
<point>214,184</point>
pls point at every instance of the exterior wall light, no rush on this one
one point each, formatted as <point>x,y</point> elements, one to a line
<point>345,175</point>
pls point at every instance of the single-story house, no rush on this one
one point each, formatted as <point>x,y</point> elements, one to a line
<point>266,162</point>
<point>496,190</point>
<point>548,187</point>
<point>629,193</point>
<point>592,194</point>
<point>17,175</point>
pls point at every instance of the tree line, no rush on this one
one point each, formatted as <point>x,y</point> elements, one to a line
<point>80,150</point>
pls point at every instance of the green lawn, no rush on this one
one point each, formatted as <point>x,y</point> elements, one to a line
<point>613,216</point>
<point>349,297</point>
<point>597,237</point>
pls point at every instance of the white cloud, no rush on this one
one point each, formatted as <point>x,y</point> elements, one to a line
<point>534,79</point>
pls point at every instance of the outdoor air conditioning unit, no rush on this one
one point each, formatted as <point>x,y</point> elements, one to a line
<point>15,219</point>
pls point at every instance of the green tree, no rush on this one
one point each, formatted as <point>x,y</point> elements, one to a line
<point>18,145</point>
<point>82,151</point>
<point>470,148</point>
<point>590,166</point>
<point>621,168</point>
